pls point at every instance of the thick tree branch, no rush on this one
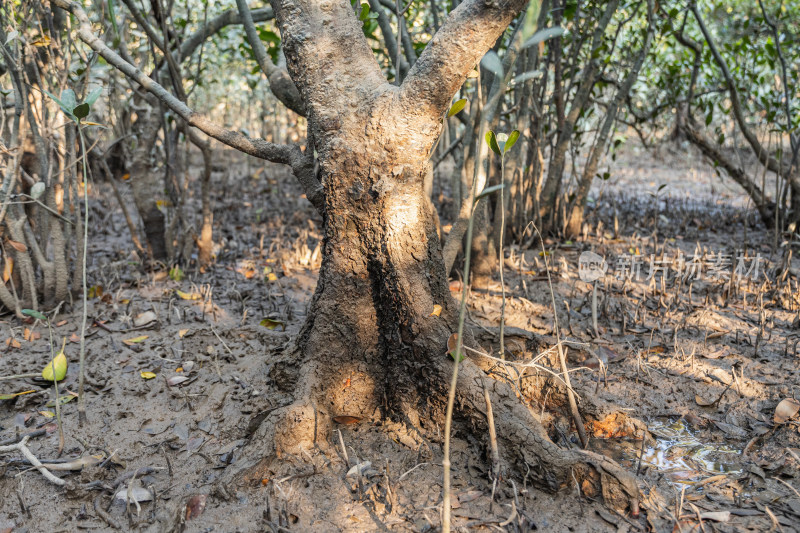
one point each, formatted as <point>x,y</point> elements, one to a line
<point>762,154</point>
<point>470,30</point>
<point>327,55</point>
<point>280,83</point>
<point>712,151</point>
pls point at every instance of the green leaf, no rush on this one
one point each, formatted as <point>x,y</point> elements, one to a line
<point>61,400</point>
<point>491,140</point>
<point>92,98</point>
<point>492,63</point>
<point>512,139</point>
<point>530,22</point>
<point>364,12</point>
<point>489,190</point>
<point>543,35</point>
<point>112,14</point>
<point>82,111</point>
<point>15,394</point>
<point>456,108</point>
<point>68,99</point>
<point>453,356</point>
<point>67,111</point>
<point>35,314</point>
<point>176,274</point>
<point>53,98</point>
<point>271,323</point>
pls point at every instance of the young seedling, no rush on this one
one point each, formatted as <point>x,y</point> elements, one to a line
<point>77,112</point>
<point>500,145</point>
<point>456,353</point>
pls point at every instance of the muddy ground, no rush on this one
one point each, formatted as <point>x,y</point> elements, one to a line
<point>180,373</point>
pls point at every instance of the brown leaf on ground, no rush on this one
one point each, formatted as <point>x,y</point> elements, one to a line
<point>786,410</point>
<point>347,419</point>
<point>195,506</point>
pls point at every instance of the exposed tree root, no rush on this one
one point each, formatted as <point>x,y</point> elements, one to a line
<point>524,445</point>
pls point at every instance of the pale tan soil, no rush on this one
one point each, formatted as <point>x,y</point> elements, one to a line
<point>193,437</point>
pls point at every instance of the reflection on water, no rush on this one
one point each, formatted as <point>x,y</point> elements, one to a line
<point>678,453</point>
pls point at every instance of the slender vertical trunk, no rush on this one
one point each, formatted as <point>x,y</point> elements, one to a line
<point>146,187</point>
<point>575,213</point>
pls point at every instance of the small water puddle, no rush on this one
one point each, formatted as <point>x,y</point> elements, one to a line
<point>679,453</point>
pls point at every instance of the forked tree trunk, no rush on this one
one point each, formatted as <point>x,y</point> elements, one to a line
<point>371,345</point>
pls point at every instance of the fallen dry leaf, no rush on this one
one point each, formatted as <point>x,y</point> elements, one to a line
<point>717,354</point>
<point>703,403</point>
<point>188,295</point>
<point>13,343</point>
<point>176,380</point>
<point>246,269</point>
<point>786,410</point>
<point>271,323</point>
<point>693,419</point>
<point>347,419</point>
<point>8,267</point>
<point>655,350</point>
<point>137,494</point>
<point>469,496</point>
<point>145,318</point>
<point>18,246</point>
<point>15,394</point>
<point>452,343</point>
<point>195,506</point>
<point>147,375</point>
<point>437,310</point>
<point>135,340</point>
<point>716,516</point>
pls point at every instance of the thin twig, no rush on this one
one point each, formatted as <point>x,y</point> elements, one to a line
<point>492,433</point>
<point>23,449</point>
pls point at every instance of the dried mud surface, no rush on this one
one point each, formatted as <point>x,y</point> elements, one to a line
<point>699,371</point>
